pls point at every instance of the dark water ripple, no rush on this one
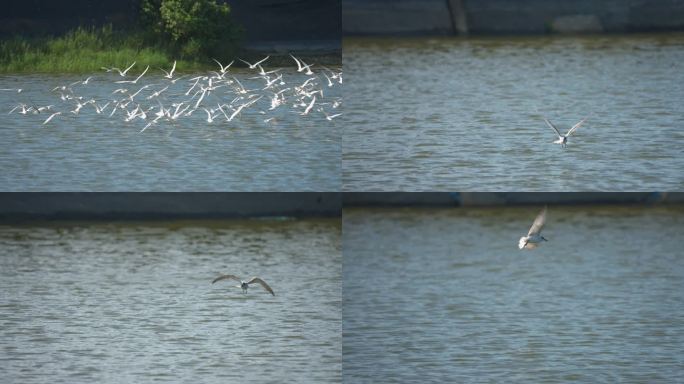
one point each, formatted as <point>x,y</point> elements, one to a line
<point>436,114</point>
<point>446,296</point>
<point>135,303</point>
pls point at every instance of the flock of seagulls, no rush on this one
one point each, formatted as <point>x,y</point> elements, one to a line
<point>221,95</point>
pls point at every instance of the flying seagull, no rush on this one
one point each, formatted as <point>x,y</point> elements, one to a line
<point>563,139</point>
<point>534,236</point>
<point>245,284</point>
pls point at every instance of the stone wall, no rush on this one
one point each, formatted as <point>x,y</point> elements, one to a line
<point>507,198</point>
<point>450,17</point>
<point>147,206</point>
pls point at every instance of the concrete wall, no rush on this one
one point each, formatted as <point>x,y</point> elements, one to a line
<point>17,207</point>
<point>144,206</point>
<point>439,17</point>
<point>506,198</point>
<point>396,17</point>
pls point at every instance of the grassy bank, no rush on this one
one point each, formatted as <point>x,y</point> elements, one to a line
<point>87,50</point>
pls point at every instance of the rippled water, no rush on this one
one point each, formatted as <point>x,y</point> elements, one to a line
<point>446,296</point>
<point>134,302</point>
<point>93,152</point>
<point>435,114</point>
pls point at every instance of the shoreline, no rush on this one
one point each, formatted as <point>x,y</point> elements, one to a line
<point>87,51</point>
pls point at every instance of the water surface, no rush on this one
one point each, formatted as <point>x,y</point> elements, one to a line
<point>134,302</point>
<point>259,150</point>
<point>431,114</point>
<point>444,295</point>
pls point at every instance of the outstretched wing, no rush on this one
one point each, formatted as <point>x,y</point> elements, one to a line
<point>552,126</point>
<point>263,284</point>
<point>223,277</point>
<point>574,127</point>
<point>538,223</point>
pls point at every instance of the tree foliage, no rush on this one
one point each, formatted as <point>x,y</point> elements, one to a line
<point>192,27</point>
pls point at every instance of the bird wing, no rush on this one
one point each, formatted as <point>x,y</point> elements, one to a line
<point>142,74</point>
<point>51,116</point>
<point>261,61</point>
<point>263,284</point>
<point>538,223</point>
<point>127,69</point>
<point>217,62</point>
<point>299,65</point>
<point>574,127</point>
<point>223,277</point>
<point>552,126</point>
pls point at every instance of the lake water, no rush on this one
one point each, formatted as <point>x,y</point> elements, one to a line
<point>431,114</point>
<point>444,295</point>
<point>134,302</point>
<point>259,150</point>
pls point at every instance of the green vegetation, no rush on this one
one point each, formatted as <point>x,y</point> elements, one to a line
<point>191,31</point>
<point>192,27</point>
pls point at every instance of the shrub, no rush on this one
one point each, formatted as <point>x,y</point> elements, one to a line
<point>192,26</point>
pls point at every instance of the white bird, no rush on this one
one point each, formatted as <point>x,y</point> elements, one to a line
<point>306,111</point>
<point>534,236</point>
<point>224,69</point>
<point>210,118</point>
<point>51,116</point>
<point>101,108</point>
<point>157,93</point>
<point>264,73</point>
<point>245,284</point>
<point>330,117</point>
<point>563,139</point>
<point>123,73</point>
<point>253,66</point>
<point>301,65</point>
<point>83,82</point>
<point>169,74</point>
<point>330,83</point>
<point>136,80</point>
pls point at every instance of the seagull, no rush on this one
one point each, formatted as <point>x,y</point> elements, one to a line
<point>301,65</point>
<point>245,284</point>
<point>330,117</point>
<point>306,111</point>
<point>123,74</point>
<point>253,66</point>
<point>84,82</point>
<point>534,235</point>
<point>169,74</point>
<point>51,116</point>
<point>136,80</point>
<point>563,139</point>
<point>224,69</point>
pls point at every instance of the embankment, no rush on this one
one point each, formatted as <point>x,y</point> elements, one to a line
<point>18,207</point>
<point>491,17</point>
